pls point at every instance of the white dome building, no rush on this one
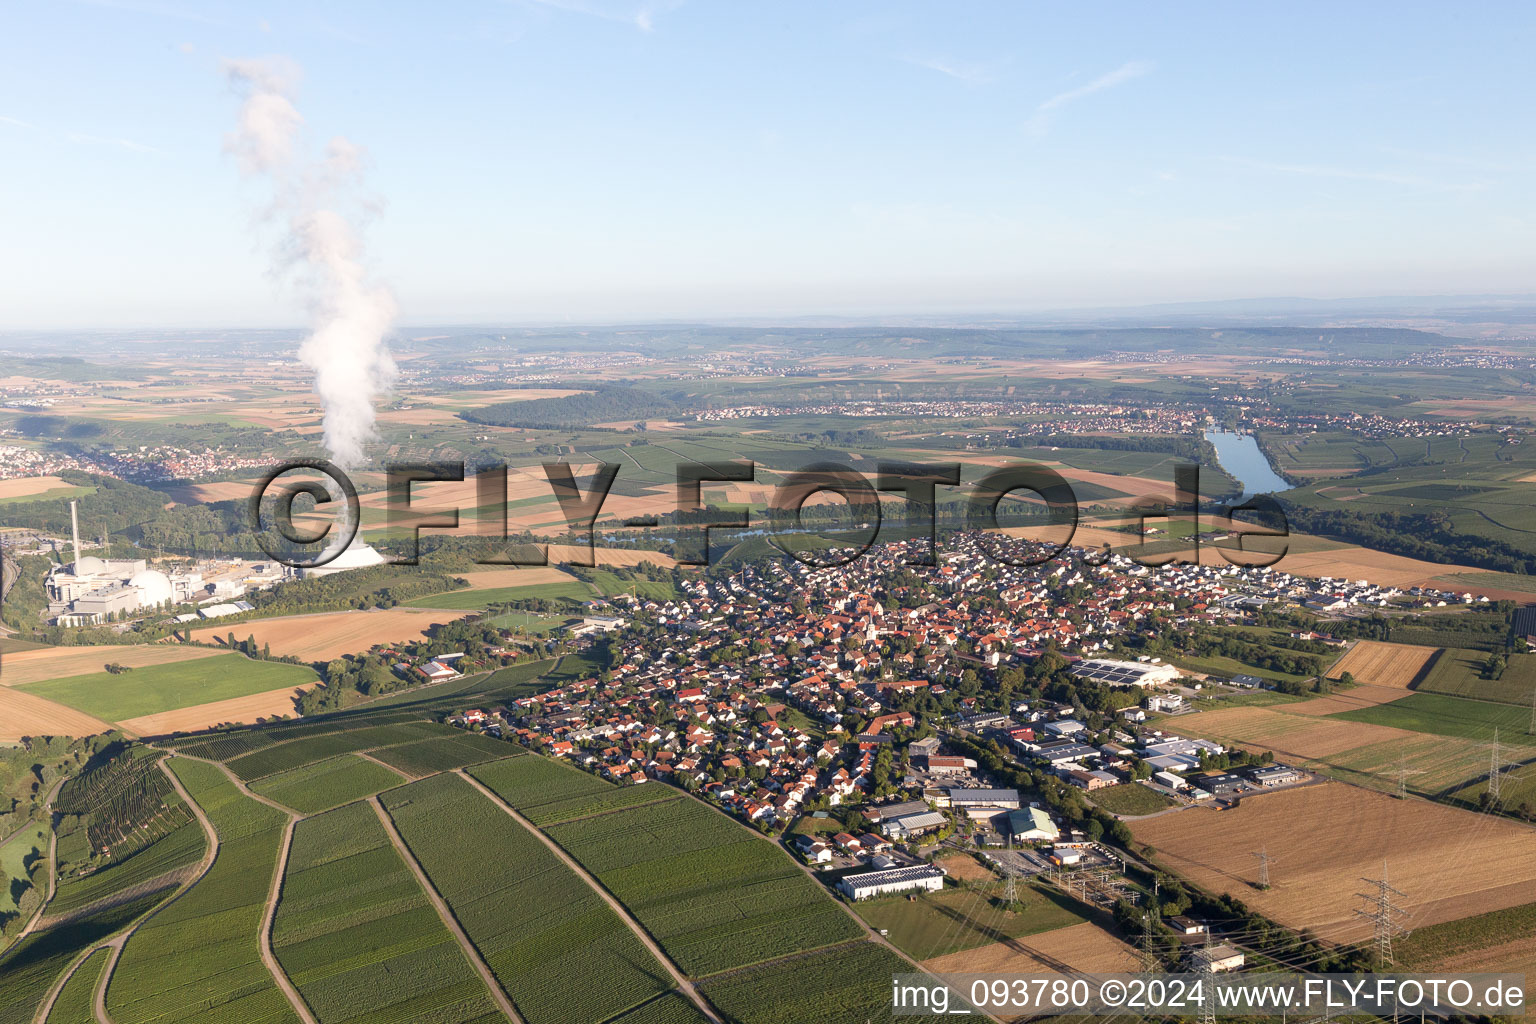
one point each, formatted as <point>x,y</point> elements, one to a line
<point>154,588</point>
<point>356,556</point>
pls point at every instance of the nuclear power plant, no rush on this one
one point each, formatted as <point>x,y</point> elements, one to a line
<point>91,590</point>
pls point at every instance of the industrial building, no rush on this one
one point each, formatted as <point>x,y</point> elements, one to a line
<point>1125,673</point>
<point>93,590</point>
<point>882,883</point>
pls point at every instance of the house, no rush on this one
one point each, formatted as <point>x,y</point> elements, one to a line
<point>881,883</point>
<point>945,765</point>
<point>436,671</point>
<point>1168,703</point>
<point>1185,925</point>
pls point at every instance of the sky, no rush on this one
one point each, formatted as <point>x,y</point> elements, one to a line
<point>586,160</point>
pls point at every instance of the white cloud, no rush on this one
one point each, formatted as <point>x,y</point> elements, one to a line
<point>1109,80</point>
<point>16,122</point>
<point>642,17</point>
<point>975,74</point>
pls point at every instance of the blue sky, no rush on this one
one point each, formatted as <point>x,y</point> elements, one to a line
<point>584,160</point>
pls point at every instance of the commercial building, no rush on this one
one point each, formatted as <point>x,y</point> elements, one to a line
<point>1125,673</point>
<point>882,883</point>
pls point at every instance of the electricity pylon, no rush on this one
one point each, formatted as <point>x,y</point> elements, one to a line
<point>1265,860</point>
<point>1382,914</point>
<point>1495,771</point>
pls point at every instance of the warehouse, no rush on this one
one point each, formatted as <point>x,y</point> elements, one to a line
<point>883,883</point>
<point>1125,673</point>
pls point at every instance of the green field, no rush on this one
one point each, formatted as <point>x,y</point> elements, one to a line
<point>199,958</point>
<point>479,600</point>
<point>359,938</point>
<point>1459,673</point>
<point>954,918</point>
<point>1451,716</point>
<point>296,753</point>
<point>326,784</point>
<point>548,792</point>
<point>1130,798</point>
<point>445,753</point>
<point>849,983</point>
<point>558,950</point>
<point>715,894</point>
<point>156,688</point>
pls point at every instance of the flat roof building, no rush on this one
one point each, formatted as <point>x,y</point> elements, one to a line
<point>882,883</point>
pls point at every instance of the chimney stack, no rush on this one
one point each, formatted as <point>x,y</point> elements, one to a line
<point>74,527</point>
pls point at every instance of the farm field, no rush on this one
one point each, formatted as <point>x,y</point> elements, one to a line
<point>1078,947</point>
<point>850,982</point>
<point>1391,666</point>
<point>559,951</point>
<point>714,894</point>
<point>358,937</point>
<point>159,688</point>
<point>1504,940</point>
<point>959,918</point>
<point>328,635</point>
<point>41,663</point>
<point>23,714</point>
<point>304,750</point>
<point>1451,716</point>
<point>477,600</point>
<point>326,784</point>
<point>255,707</point>
<point>1459,673</point>
<point>200,955</point>
<point>1290,735</point>
<point>445,753</point>
<point>1451,863</point>
<point>16,856</point>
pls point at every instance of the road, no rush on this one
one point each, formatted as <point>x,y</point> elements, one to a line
<point>470,952</point>
<point>267,956</point>
<point>683,983</point>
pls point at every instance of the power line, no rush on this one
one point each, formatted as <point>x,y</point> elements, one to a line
<point>1402,773</point>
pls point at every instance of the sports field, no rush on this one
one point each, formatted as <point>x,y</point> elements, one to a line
<point>160,688</point>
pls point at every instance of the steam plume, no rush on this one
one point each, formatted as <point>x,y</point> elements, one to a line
<point>350,314</point>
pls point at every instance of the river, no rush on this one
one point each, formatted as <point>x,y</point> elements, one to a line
<point>1241,457</point>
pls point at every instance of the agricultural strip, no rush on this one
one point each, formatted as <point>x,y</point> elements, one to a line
<point>1450,863</point>
<point>160,688</point>
<point>714,894</point>
<point>326,784</point>
<point>1451,716</point>
<point>299,752</point>
<point>359,938</point>
<point>445,753</point>
<point>201,956</point>
<point>848,983</point>
<point>553,944</point>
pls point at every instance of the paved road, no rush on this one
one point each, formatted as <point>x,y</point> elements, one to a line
<point>443,912</point>
<point>688,988</point>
